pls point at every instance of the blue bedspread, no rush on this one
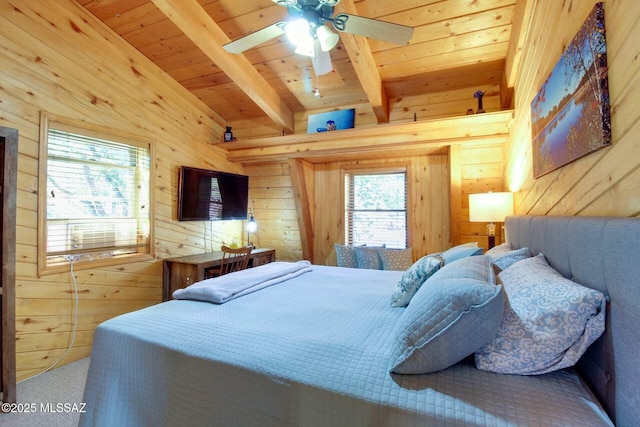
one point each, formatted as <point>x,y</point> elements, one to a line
<point>312,351</point>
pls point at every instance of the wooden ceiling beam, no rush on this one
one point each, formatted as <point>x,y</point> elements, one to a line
<point>196,23</point>
<point>359,52</point>
<point>521,22</point>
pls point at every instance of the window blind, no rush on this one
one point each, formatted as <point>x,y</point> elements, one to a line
<point>98,197</point>
<point>376,211</point>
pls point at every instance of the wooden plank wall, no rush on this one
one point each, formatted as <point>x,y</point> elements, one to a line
<point>273,204</point>
<point>606,182</point>
<point>446,103</point>
<point>58,58</point>
<point>428,181</point>
<point>272,196</point>
<point>435,105</point>
<point>481,172</point>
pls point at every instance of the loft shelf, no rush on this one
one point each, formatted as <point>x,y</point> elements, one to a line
<point>405,138</point>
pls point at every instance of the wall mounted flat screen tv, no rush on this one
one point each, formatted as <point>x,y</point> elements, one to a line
<point>206,195</point>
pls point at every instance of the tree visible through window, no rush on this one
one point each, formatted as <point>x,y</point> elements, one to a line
<point>376,209</point>
<point>97,197</point>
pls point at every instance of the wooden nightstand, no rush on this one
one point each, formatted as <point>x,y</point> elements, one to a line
<point>183,271</point>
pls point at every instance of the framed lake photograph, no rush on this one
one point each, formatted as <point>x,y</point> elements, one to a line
<point>331,120</point>
<point>570,115</point>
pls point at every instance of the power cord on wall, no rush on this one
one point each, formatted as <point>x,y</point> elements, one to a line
<point>208,235</point>
<point>71,259</point>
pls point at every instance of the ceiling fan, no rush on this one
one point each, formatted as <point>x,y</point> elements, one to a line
<point>312,38</point>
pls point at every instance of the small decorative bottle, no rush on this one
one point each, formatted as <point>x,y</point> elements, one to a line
<point>479,94</point>
<point>228,135</point>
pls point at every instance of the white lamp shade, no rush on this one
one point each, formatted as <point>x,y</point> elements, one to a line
<point>297,30</point>
<point>285,3</point>
<point>490,207</point>
<point>306,47</point>
<point>327,38</point>
<point>252,225</point>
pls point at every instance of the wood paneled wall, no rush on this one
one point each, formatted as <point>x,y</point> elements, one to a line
<point>273,198</point>
<point>606,182</point>
<point>273,205</point>
<point>58,58</point>
<point>480,172</point>
<point>402,108</point>
<point>428,186</point>
<point>439,208</point>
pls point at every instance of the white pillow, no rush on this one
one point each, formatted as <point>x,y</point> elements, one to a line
<point>499,250</point>
<point>548,321</point>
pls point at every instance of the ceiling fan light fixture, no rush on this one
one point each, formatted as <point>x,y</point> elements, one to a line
<point>285,3</point>
<point>297,31</point>
<point>327,38</point>
<point>330,3</point>
<point>305,46</point>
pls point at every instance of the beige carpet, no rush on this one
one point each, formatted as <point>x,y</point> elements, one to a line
<point>56,396</point>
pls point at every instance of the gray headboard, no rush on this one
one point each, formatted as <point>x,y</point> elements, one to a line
<point>602,253</point>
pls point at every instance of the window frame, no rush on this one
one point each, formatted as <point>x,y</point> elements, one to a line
<point>51,121</point>
<point>376,170</point>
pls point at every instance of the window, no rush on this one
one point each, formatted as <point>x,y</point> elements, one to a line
<point>94,198</point>
<point>376,209</point>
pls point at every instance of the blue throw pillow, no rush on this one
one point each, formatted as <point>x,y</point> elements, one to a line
<point>506,259</point>
<point>368,257</point>
<point>414,277</point>
<point>461,251</point>
<point>345,256</point>
<point>453,314</point>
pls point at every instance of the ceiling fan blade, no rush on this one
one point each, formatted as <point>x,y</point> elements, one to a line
<point>255,38</point>
<point>373,28</point>
<point>321,60</point>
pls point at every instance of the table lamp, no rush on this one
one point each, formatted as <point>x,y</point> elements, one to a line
<point>490,207</point>
<point>252,227</point>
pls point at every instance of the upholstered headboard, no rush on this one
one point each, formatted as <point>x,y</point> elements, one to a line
<point>602,253</point>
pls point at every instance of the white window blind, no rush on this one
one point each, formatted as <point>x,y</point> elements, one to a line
<point>376,209</point>
<point>98,197</point>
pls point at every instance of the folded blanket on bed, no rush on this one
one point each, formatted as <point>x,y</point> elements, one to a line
<point>233,285</point>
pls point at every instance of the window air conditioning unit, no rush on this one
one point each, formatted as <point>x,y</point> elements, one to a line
<point>67,236</point>
<point>91,235</point>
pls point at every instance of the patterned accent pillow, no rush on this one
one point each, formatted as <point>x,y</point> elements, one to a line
<point>506,259</point>
<point>345,256</point>
<point>453,314</point>
<point>461,251</point>
<point>368,257</point>
<point>396,259</point>
<point>548,323</point>
<point>414,277</point>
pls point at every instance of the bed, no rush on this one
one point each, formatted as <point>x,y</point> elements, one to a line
<point>315,350</point>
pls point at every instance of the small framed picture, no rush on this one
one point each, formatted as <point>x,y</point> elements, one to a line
<point>331,120</point>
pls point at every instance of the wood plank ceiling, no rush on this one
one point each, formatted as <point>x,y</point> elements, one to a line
<point>457,44</point>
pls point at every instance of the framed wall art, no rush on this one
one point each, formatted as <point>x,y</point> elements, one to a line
<point>570,115</point>
<point>331,120</point>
